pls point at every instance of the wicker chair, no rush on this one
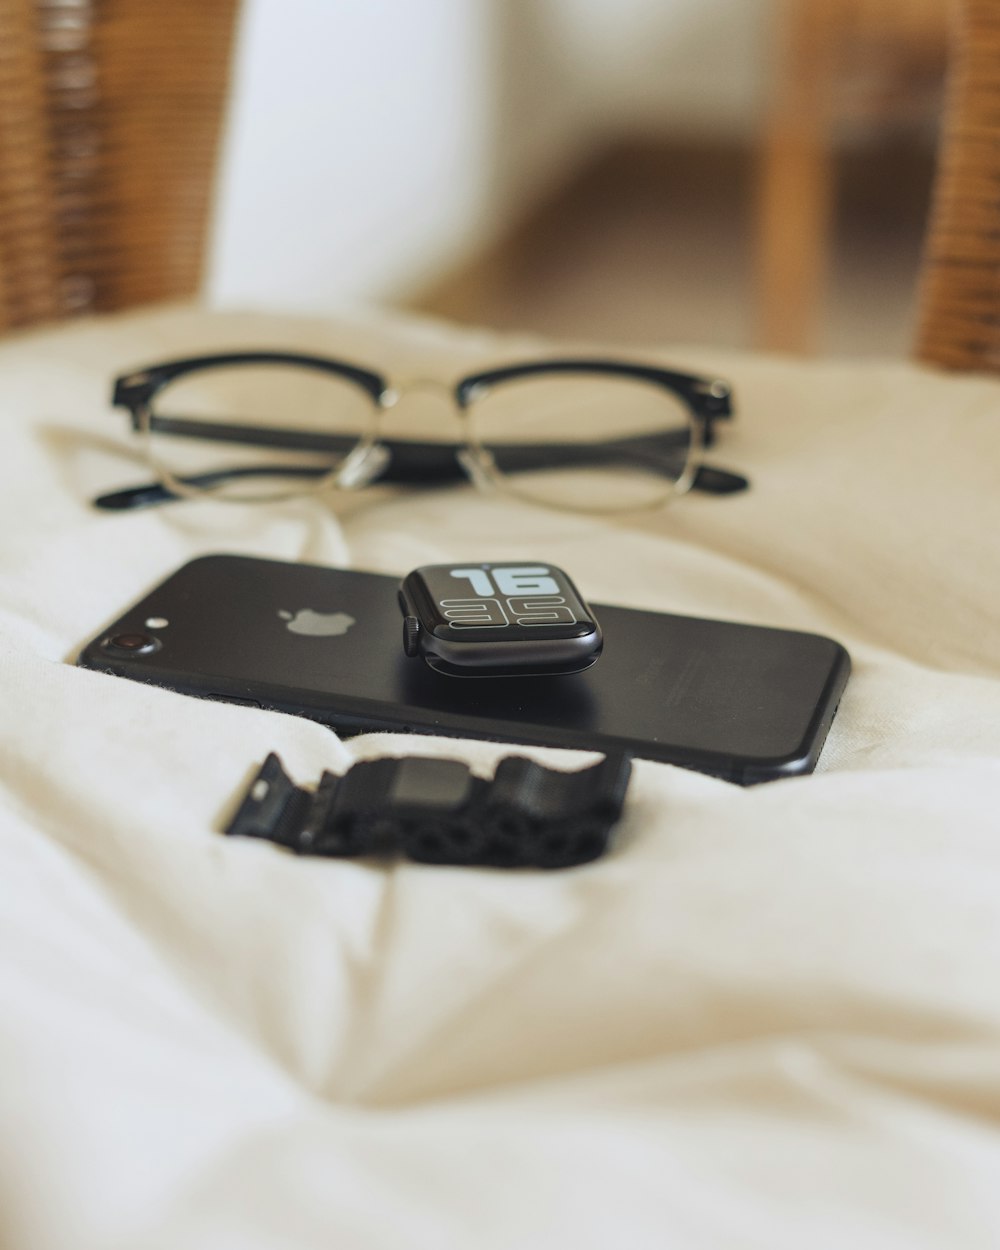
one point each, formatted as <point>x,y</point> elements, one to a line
<point>959,287</point>
<point>109,122</point>
<point>861,67</point>
<point>959,298</point>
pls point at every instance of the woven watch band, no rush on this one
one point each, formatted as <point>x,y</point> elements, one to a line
<point>437,811</point>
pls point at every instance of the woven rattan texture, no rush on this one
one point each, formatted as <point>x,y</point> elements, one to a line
<point>960,284</point>
<point>110,114</point>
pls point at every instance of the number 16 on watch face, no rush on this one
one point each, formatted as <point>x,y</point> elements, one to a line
<point>492,620</point>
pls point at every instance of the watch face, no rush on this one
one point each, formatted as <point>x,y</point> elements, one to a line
<point>511,616</point>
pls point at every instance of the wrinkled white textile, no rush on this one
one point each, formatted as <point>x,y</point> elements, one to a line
<point>770,1018</point>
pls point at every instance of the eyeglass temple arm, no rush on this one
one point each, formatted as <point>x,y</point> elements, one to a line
<point>411,462</point>
<point>411,458</point>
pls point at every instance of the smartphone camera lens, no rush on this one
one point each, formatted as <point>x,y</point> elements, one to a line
<point>132,644</point>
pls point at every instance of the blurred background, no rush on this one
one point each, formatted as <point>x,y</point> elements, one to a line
<point>752,173</point>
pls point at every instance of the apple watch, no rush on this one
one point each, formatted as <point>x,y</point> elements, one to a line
<point>497,620</point>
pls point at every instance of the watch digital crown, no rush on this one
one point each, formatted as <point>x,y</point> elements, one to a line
<point>493,620</point>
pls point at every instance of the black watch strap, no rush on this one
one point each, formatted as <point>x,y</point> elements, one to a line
<point>437,811</point>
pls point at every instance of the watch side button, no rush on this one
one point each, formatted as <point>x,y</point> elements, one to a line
<point>411,636</point>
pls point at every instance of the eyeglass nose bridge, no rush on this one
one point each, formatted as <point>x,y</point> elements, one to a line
<point>411,408</point>
<point>405,397</point>
<point>408,388</point>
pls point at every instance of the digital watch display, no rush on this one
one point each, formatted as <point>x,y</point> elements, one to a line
<point>495,620</point>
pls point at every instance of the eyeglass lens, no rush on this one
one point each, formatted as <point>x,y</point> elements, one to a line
<point>255,431</point>
<point>585,441</point>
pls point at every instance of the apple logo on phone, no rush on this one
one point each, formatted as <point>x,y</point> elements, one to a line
<point>317,624</point>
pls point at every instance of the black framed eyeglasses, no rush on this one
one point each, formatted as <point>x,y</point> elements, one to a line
<point>585,435</point>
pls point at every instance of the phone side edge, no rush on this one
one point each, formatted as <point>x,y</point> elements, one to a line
<point>802,763</point>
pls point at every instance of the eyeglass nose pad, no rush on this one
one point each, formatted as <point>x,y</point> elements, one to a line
<point>362,466</point>
<point>476,464</point>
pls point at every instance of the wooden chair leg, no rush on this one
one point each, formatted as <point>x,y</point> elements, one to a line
<point>794,209</point>
<point>795,187</point>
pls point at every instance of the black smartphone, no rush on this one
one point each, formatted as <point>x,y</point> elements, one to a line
<point>743,702</point>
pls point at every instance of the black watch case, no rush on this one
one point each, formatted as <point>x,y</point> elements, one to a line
<point>502,619</point>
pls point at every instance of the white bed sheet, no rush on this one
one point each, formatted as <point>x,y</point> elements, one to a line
<point>770,1018</point>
